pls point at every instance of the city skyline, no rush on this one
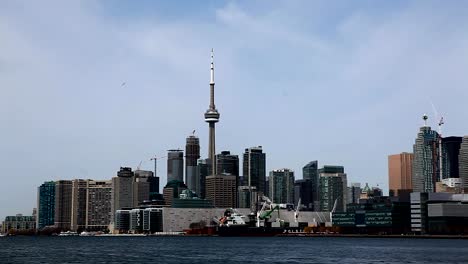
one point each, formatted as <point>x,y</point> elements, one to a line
<point>121,87</point>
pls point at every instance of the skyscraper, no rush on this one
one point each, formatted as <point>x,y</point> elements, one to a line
<point>45,205</point>
<point>400,171</point>
<point>63,204</point>
<point>212,117</point>
<point>310,175</point>
<point>450,154</point>
<point>122,190</point>
<point>227,164</point>
<point>175,165</point>
<point>192,154</point>
<point>254,168</point>
<point>203,171</point>
<point>463,164</point>
<point>281,186</point>
<point>333,188</point>
<point>221,190</point>
<point>425,160</point>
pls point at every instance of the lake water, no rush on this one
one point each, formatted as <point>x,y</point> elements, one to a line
<point>230,250</point>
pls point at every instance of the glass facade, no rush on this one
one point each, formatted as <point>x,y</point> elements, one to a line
<point>46,205</point>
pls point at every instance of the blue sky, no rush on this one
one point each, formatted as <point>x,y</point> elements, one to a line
<point>345,83</point>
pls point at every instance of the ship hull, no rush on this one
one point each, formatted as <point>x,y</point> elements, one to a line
<point>249,231</point>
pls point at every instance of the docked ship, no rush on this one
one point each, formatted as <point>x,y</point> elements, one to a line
<point>234,223</point>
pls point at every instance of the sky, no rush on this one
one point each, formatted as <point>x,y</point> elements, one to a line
<point>344,83</point>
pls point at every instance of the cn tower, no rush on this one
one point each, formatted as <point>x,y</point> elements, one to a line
<point>212,117</point>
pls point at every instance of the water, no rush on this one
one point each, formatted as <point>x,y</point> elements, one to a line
<point>227,250</point>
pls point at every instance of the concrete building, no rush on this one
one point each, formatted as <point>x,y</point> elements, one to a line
<point>175,165</point>
<point>91,205</point>
<point>333,188</point>
<point>192,154</point>
<point>281,185</point>
<point>222,190</point>
<point>212,117</point>
<point>439,213</point>
<point>425,160</point>
<point>63,204</point>
<point>148,188</point>
<point>122,190</point>
<point>310,173</point>
<point>19,224</point>
<point>400,171</point>
<point>463,164</point>
<point>45,205</point>
<point>254,168</point>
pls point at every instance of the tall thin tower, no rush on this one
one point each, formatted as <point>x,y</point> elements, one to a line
<point>212,117</point>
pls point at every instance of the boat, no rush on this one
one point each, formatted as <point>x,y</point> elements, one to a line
<point>68,233</point>
<point>234,223</point>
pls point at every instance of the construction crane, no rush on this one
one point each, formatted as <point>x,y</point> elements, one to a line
<point>139,165</point>
<point>296,213</point>
<point>268,208</point>
<point>155,158</point>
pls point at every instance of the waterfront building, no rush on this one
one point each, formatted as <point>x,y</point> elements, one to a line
<point>254,168</point>
<point>152,220</point>
<point>425,160</point>
<point>18,224</point>
<point>122,221</point>
<point>281,185</point>
<point>136,221</point>
<point>400,171</point>
<point>45,205</point>
<point>192,154</point>
<point>122,190</point>
<point>247,197</point>
<point>91,205</point>
<point>175,165</point>
<point>463,164</point>
<point>333,188</point>
<point>63,204</point>
<point>381,215</point>
<point>310,173</point>
<point>439,213</point>
<point>221,190</point>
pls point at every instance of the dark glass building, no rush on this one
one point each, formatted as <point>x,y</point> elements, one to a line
<point>254,168</point>
<point>46,205</point>
<point>175,165</point>
<point>311,193</point>
<point>192,154</point>
<point>203,171</point>
<point>450,152</point>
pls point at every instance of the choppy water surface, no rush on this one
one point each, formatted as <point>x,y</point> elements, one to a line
<point>230,250</point>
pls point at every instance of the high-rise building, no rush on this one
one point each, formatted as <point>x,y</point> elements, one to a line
<point>463,164</point>
<point>45,205</point>
<point>172,190</point>
<point>450,154</point>
<point>400,171</point>
<point>281,185</point>
<point>303,191</point>
<point>228,164</point>
<point>425,160</point>
<point>212,117</point>
<point>310,174</point>
<point>122,190</point>
<point>354,192</point>
<point>221,190</point>
<point>149,186</point>
<point>247,197</point>
<point>203,171</point>
<point>91,205</point>
<point>63,204</point>
<point>333,188</point>
<point>175,165</point>
<point>192,154</point>
<point>254,168</point>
